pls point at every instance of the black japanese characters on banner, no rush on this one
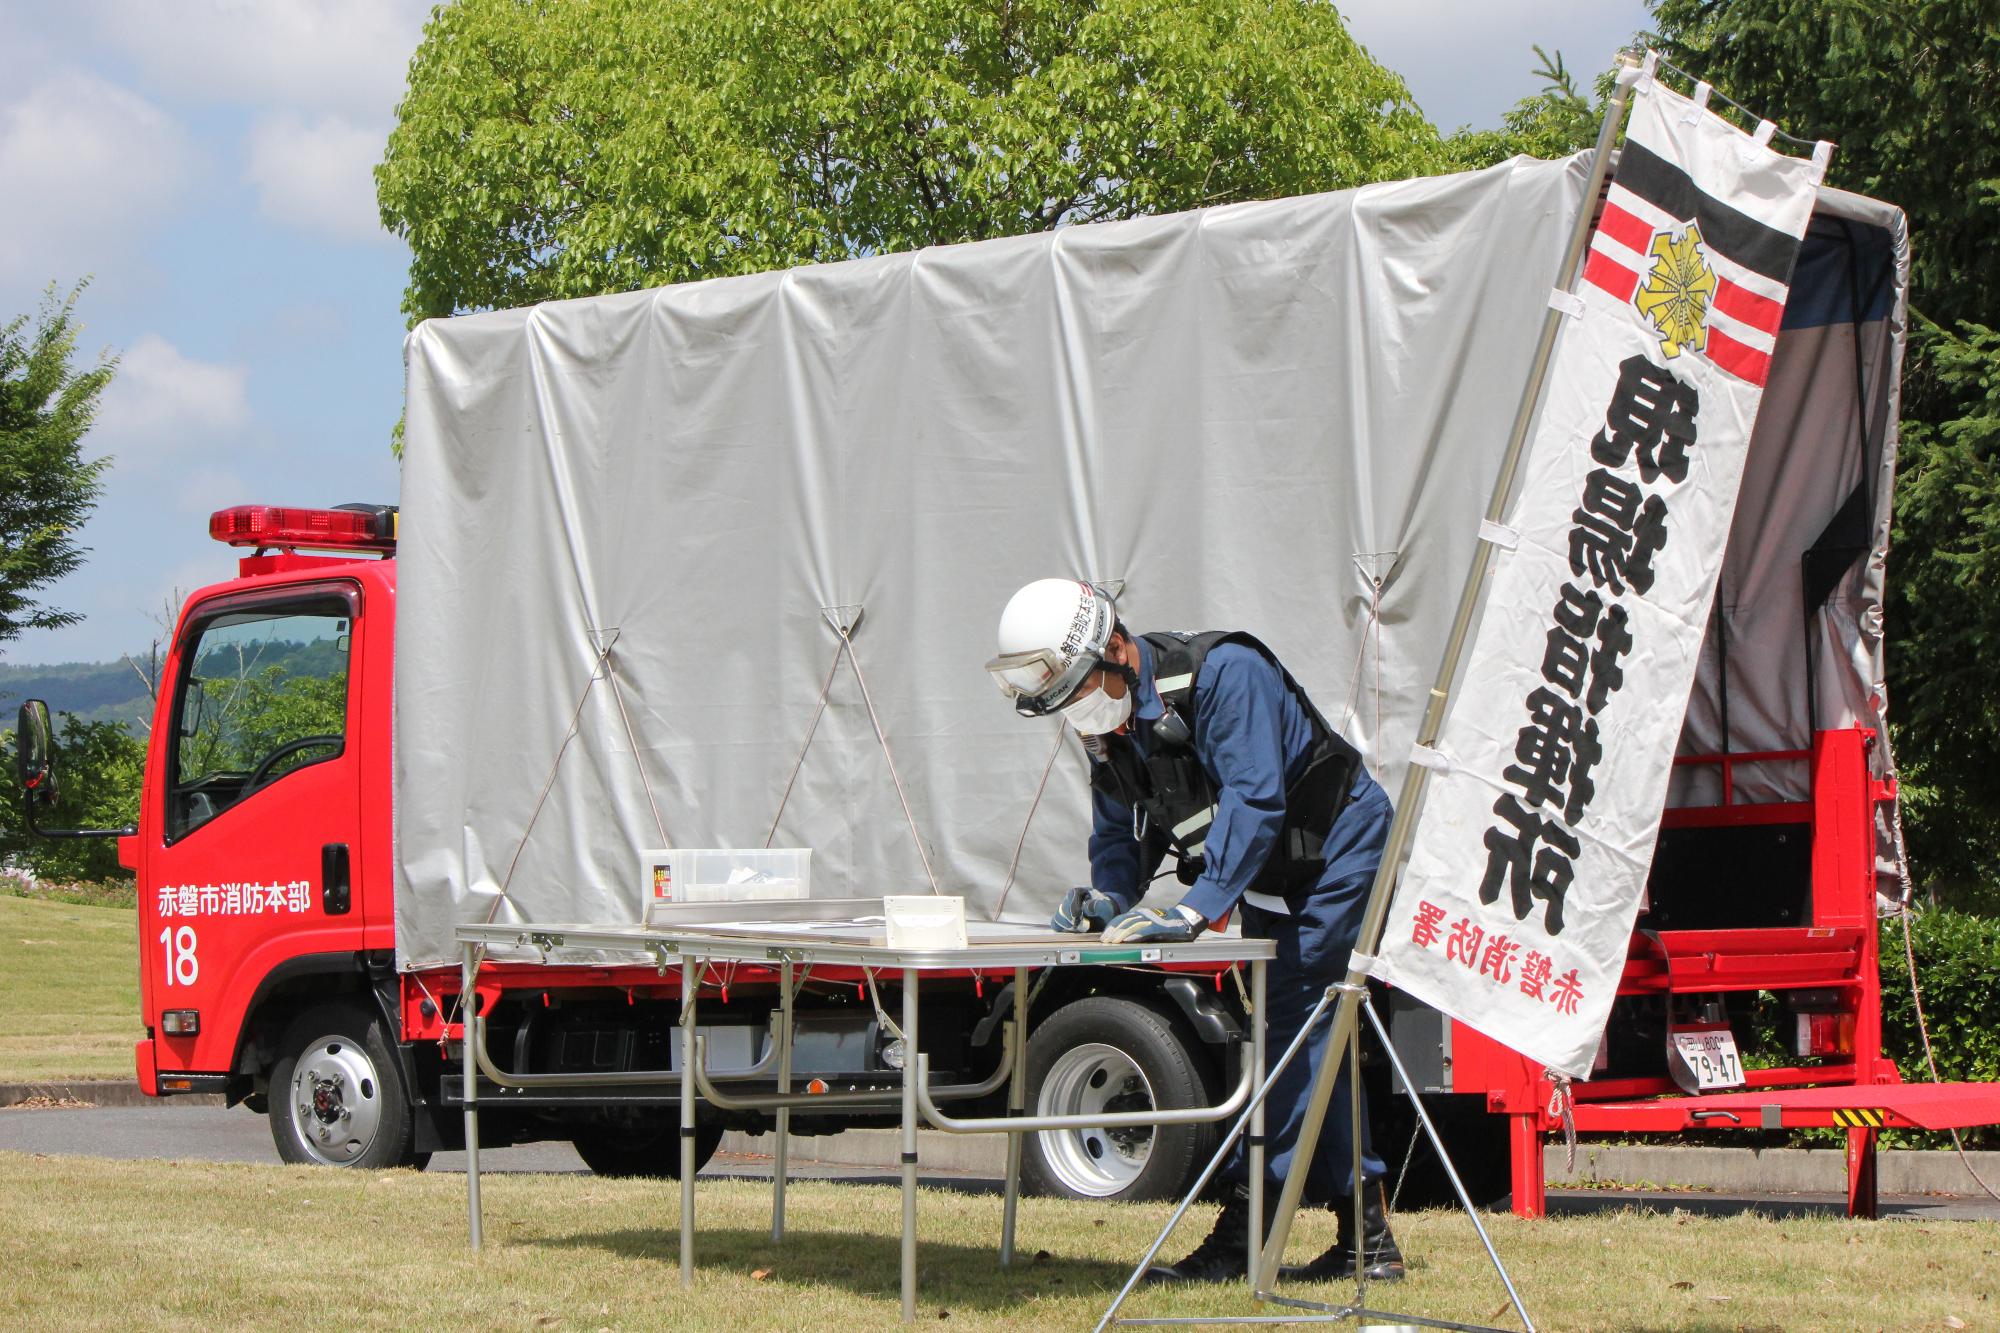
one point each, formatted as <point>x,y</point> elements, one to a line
<point>1618,527</point>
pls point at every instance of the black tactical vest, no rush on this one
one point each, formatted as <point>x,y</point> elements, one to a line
<point>1169,791</point>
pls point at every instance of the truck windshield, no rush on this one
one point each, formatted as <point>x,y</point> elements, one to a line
<point>263,693</point>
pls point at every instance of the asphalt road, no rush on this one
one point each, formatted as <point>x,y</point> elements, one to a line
<point>213,1134</point>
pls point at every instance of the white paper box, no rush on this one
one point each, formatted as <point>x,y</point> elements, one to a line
<point>928,921</point>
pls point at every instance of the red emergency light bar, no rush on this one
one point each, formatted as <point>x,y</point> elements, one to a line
<point>348,528</point>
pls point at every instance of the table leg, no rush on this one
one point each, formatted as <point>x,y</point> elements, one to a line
<point>909,1144</point>
<point>468,1006</point>
<point>784,1152</point>
<point>690,983</point>
<point>1017,1102</point>
<point>1254,1153</point>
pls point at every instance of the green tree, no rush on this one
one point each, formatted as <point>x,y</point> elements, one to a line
<point>98,770</point>
<point>1907,92</point>
<point>555,150</point>
<point>249,717</point>
<point>47,488</point>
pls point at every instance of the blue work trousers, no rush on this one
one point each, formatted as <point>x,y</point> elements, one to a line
<point>1313,947</point>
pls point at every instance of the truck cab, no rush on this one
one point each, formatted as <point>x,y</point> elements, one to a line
<point>262,847</point>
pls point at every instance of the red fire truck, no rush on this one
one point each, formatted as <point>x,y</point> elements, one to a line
<point>266,847</point>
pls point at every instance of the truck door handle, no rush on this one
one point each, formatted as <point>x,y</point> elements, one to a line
<point>335,889</point>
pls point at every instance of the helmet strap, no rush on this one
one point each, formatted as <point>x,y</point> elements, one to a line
<point>1125,673</point>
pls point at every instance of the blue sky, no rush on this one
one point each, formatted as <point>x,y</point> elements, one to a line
<point>207,163</point>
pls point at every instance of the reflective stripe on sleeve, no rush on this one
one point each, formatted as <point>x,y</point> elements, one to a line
<point>1201,819</point>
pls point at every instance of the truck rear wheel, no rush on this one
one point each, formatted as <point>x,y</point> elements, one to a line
<point>337,1095</point>
<point>1111,1054</point>
<point>647,1148</point>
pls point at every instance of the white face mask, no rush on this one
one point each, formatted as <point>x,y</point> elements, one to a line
<point>1097,712</point>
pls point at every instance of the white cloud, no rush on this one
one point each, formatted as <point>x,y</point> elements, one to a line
<point>161,401</point>
<point>316,174</point>
<point>343,56</point>
<point>89,168</point>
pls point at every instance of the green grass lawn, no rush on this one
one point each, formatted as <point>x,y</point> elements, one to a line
<point>69,990</point>
<point>103,1244</point>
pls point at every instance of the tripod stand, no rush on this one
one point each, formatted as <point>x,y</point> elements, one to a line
<point>1346,1000</point>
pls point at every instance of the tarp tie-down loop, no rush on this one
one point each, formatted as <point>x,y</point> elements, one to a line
<point>882,1015</point>
<point>1013,866</point>
<point>1562,1105</point>
<point>457,1005</point>
<point>812,730</point>
<point>1369,565</point>
<point>600,669</point>
<point>875,720</point>
<point>842,623</point>
<point>632,737</point>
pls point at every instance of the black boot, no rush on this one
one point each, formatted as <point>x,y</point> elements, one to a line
<point>1381,1260</point>
<point>1221,1256</point>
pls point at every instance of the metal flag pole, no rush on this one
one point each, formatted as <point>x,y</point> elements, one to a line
<point>1410,803</point>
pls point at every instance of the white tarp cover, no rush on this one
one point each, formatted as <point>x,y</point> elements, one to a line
<point>1283,417</point>
<point>1531,854</point>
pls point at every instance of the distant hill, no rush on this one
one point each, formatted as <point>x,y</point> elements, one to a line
<point>94,691</point>
<point>113,692</point>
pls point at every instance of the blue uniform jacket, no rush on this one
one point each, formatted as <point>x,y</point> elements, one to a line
<point>1250,735</point>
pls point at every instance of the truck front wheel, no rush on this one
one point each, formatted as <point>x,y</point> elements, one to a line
<point>337,1098</point>
<point>1111,1054</point>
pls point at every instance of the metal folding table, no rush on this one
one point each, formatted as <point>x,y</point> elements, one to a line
<point>830,943</point>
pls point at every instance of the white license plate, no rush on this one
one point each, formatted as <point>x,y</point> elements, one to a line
<point>1711,1058</point>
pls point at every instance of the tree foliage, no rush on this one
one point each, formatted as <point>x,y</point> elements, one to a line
<point>246,718</point>
<point>554,150</point>
<point>1906,91</point>
<point>47,488</point>
<point>99,766</point>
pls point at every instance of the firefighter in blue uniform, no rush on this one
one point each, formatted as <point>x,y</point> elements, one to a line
<point>1203,746</point>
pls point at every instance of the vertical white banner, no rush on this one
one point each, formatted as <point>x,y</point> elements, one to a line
<point>1530,855</point>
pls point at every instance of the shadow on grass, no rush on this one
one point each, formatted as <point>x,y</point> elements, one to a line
<point>948,1274</point>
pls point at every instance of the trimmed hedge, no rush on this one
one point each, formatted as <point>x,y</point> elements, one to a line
<point>1958,970</point>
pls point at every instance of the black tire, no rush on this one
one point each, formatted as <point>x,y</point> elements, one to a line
<point>1110,1053</point>
<point>337,1095</point>
<point>644,1148</point>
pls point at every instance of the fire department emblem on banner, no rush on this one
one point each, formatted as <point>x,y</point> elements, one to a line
<point>1677,290</point>
<point>1514,914</point>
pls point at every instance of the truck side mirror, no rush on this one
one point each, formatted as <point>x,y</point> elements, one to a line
<point>194,707</point>
<point>35,753</point>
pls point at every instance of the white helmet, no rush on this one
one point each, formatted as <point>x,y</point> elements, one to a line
<point>1052,636</point>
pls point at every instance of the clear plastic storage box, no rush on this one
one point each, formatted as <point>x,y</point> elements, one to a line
<point>724,874</point>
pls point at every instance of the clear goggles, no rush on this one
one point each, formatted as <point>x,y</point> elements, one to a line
<point>1038,681</point>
